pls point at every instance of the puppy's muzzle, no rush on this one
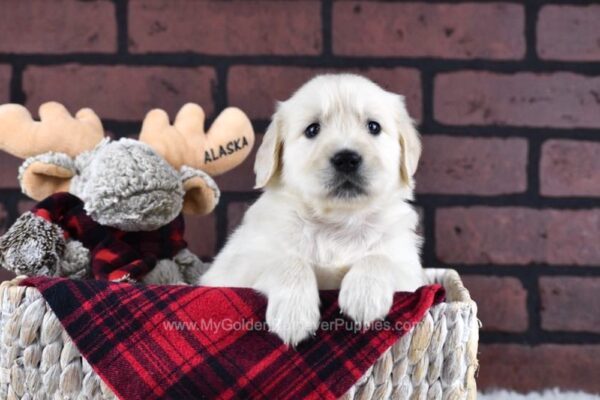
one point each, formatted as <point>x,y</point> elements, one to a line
<point>346,161</point>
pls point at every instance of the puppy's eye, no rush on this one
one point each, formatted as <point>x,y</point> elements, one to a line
<point>312,130</point>
<point>374,127</point>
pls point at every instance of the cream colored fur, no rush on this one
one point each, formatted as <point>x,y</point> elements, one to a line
<point>299,237</point>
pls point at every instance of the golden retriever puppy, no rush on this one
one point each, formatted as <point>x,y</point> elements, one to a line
<point>336,165</point>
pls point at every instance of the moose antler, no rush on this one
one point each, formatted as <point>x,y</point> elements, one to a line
<point>227,143</point>
<point>56,131</point>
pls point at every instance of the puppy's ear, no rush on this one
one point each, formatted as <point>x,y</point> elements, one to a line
<point>410,143</point>
<point>268,156</point>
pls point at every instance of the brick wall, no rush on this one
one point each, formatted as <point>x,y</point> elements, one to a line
<point>507,95</point>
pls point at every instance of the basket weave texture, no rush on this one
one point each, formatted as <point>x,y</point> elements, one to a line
<point>437,359</point>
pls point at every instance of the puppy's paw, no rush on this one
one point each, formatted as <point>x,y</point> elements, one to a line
<point>293,318</point>
<point>364,298</point>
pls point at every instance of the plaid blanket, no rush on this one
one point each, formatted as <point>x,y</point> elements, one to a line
<point>115,254</point>
<point>183,342</point>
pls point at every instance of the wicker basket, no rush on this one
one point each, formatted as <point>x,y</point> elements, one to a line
<point>436,360</point>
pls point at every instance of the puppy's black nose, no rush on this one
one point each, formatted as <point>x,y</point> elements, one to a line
<point>346,161</point>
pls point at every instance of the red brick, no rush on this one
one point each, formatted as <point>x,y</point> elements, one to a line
<point>9,170</point>
<point>420,230</point>
<point>5,75</point>
<point>561,100</point>
<point>201,234</point>
<point>120,92</point>
<point>233,27</point>
<point>25,205</point>
<point>460,165</point>
<point>4,219</point>
<point>59,26</point>
<point>256,89</point>
<point>6,275</point>
<point>514,235</point>
<point>570,303</point>
<point>235,214</point>
<point>242,178</point>
<point>570,168</point>
<point>569,33</point>
<point>501,302</point>
<point>523,368</point>
<point>461,31</point>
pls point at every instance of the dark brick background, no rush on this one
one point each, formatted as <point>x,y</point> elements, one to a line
<point>506,93</point>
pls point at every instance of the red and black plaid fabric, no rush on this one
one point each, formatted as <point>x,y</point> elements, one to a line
<point>115,254</point>
<point>183,342</point>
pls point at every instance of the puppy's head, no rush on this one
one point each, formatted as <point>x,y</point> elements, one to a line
<point>340,139</point>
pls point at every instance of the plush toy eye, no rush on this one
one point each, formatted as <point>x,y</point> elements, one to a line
<point>374,127</point>
<point>312,130</point>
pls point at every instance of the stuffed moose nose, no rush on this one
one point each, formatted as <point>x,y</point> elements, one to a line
<point>346,161</point>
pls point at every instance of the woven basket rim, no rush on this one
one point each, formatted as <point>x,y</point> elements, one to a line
<point>449,278</point>
<point>452,282</point>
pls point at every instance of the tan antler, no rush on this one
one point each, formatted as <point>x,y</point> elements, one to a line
<point>227,143</point>
<point>56,131</point>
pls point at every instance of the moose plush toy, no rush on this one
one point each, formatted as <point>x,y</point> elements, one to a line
<point>113,209</point>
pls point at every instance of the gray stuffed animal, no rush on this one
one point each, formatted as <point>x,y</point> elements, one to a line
<point>112,209</point>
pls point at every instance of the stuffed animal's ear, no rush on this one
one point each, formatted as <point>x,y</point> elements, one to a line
<point>268,156</point>
<point>201,192</point>
<point>410,144</point>
<point>46,174</point>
